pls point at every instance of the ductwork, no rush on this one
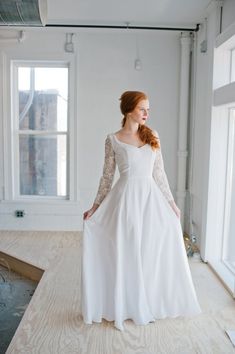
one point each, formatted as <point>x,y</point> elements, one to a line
<point>23,12</point>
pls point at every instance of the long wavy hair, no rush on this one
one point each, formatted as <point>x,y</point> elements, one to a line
<point>129,101</point>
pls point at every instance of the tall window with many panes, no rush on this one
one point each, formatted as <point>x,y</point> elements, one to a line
<point>41,130</point>
<point>221,200</point>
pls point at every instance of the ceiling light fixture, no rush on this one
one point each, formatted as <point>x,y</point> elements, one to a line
<point>69,46</point>
<point>138,62</point>
<point>203,44</point>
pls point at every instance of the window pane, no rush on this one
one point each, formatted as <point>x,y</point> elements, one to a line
<point>230,239</point>
<point>233,66</point>
<point>43,165</point>
<point>43,98</point>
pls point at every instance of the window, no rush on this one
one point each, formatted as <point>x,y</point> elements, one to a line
<point>220,226</point>
<point>229,221</point>
<point>232,79</point>
<point>40,121</point>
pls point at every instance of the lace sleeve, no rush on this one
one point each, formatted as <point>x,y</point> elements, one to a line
<point>159,174</point>
<point>109,167</point>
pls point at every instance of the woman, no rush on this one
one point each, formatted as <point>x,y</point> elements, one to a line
<point>134,263</point>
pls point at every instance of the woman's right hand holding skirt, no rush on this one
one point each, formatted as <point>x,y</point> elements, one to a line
<point>87,214</point>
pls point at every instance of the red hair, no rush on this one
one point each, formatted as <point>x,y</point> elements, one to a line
<point>129,101</point>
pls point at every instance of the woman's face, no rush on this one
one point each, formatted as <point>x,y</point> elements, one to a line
<point>141,112</point>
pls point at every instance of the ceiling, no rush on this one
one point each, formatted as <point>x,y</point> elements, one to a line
<point>172,13</point>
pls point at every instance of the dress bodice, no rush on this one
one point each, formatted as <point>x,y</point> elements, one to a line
<point>132,161</point>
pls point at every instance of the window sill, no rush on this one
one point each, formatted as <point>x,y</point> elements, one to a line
<point>225,274</point>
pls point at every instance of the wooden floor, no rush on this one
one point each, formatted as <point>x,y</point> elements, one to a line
<point>53,323</point>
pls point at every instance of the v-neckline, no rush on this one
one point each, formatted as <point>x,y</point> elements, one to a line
<point>122,142</point>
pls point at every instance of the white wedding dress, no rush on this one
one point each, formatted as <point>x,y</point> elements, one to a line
<point>134,262</point>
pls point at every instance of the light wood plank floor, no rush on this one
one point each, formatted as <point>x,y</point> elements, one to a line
<point>53,323</point>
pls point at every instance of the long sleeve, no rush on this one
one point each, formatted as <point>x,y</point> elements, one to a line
<point>160,176</point>
<point>109,167</point>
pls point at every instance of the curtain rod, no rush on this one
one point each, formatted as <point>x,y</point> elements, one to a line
<point>128,27</point>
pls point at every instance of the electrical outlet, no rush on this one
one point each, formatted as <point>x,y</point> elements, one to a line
<point>19,213</point>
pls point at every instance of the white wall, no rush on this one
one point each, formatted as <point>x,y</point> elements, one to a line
<point>203,103</point>
<point>228,14</point>
<point>103,69</point>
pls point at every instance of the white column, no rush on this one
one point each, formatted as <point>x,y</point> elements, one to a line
<point>183,121</point>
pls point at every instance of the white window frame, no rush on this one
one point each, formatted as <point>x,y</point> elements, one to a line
<point>219,191</point>
<point>11,154</point>
<point>232,65</point>
<point>16,133</point>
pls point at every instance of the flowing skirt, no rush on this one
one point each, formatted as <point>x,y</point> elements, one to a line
<point>134,262</point>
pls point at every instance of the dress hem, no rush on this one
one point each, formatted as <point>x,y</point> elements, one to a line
<point>121,327</point>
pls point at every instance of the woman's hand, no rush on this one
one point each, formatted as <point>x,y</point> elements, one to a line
<point>89,212</point>
<point>175,208</point>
